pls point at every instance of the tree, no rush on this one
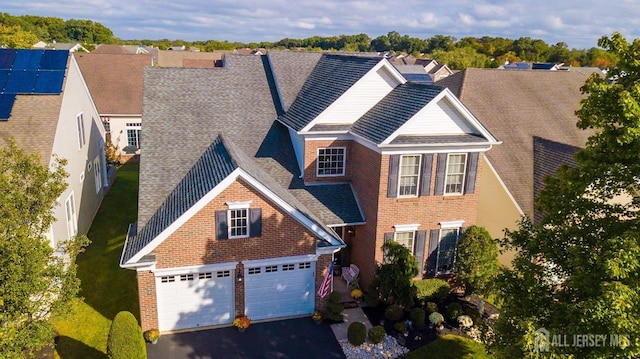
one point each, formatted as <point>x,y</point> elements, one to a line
<point>16,38</point>
<point>125,340</point>
<point>477,261</point>
<point>35,282</point>
<point>396,274</point>
<point>578,271</point>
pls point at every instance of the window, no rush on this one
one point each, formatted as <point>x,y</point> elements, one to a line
<point>133,137</point>
<point>406,239</point>
<point>305,265</point>
<point>288,267</point>
<point>223,274</point>
<point>447,249</point>
<point>205,275</point>
<point>97,173</point>
<point>70,209</point>
<point>454,179</point>
<point>270,269</point>
<point>255,270</point>
<point>186,277</point>
<point>168,279</point>
<point>408,177</point>
<point>238,223</point>
<point>331,161</point>
<point>80,125</point>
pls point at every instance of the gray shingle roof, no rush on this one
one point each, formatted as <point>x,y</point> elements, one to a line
<point>332,76</point>
<point>394,110</point>
<point>516,106</point>
<point>291,69</point>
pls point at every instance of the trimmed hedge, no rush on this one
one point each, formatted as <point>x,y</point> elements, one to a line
<point>334,307</point>
<point>356,333</point>
<point>431,307</point>
<point>454,310</point>
<point>125,339</point>
<point>393,313</point>
<point>377,334</point>
<point>432,290</point>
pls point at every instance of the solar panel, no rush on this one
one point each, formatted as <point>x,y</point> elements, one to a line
<point>54,60</point>
<point>4,75</point>
<point>49,82</point>
<point>21,81</point>
<point>6,58</point>
<point>6,104</point>
<point>27,59</point>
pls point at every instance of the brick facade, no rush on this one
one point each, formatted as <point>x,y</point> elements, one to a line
<point>311,157</point>
<point>195,243</point>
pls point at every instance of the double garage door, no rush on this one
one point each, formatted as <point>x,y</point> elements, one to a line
<point>205,298</point>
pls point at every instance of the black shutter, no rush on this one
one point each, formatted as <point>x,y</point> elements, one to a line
<point>425,181</point>
<point>255,219</point>
<point>421,238</point>
<point>392,184</point>
<point>441,170</point>
<point>222,231</point>
<point>432,256</point>
<point>472,169</point>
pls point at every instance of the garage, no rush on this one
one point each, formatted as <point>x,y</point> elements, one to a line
<point>195,299</point>
<point>279,288</point>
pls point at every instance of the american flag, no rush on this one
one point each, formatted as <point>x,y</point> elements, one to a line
<point>326,283</point>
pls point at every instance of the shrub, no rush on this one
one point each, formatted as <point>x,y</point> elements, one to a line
<point>432,290</point>
<point>396,274</point>
<point>454,310</point>
<point>151,335</point>
<point>372,297</point>
<point>356,293</point>
<point>465,321</point>
<point>417,317</point>
<point>431,307</point>
<point>125,339</point>
<point>477,261</point>
<point>474,314</point>
<point>334,307</point>
<point>400,326</point>
<point>436,318</point>
<point>377,334</point>
<point>393,313</point>
<point>356,333</point>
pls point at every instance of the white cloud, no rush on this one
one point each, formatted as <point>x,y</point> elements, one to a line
<point>466,19</point>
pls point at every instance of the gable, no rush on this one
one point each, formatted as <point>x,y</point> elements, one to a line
<point>361,97</point>
<point>437,118</point>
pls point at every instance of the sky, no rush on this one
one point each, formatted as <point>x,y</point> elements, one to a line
<point>579,24</point>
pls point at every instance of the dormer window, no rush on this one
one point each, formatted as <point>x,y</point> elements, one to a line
<point>331,162</point>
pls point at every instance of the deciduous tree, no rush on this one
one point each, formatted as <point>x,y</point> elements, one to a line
<point>477,261</point>
<point>578,271</point>
<point>35,281</point>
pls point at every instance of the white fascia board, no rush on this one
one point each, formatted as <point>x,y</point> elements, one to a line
<point>328,250</point>
<point>397,132</point>
<point>280,260</point>
<point>435,148</point>
<point>195,269</point>
<point>121,115</point>
<point>346,96</point>
<point>504,186</point>
<point>326,136</point>
<point>406,227</point>
<point>186,216</point>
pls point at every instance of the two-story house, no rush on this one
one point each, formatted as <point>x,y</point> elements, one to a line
<point>46,108</point>
<point>255,174</point>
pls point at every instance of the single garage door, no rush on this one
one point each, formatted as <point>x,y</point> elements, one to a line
<point>195,299</point>
<point>279,290</point>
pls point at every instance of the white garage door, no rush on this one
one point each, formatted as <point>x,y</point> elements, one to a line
<point>279,290</point>
<point>195,299</point>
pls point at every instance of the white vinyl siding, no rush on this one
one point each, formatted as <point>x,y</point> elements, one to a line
<point>440,118</point>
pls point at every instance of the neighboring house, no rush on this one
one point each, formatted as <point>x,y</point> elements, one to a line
<point>171,58</point>
<point>408,64</point>
<point>254,175</point>
<point>69,46</point>
<point>115,83</point>
<point>533,113</point>
<point>46,107</point>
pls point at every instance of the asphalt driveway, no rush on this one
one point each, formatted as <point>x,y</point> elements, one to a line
<point>291,338</point>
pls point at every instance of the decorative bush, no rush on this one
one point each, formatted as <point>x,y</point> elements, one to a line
<point>436,318</point>
<point>372,297</point>
<point>465,321</point>
<point>432,290</point>
<point>431,307</point>
<point>417,317</point>
<point>356,293</point>
<point>474,314</point>
<point>393,313</point>
<point>377,334</point>
<point>356,333</point>
<point>334,307</point>
<point>400,326</point>
<point>151,335</point>
<point>396,274</point>
<point>317,316</point>
<point>454,310</point>
<point>242,322</point>
<point>125,339</point>
<point>477,261</point>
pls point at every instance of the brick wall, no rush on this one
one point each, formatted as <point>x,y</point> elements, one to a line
<point>195,243</point>
<point>311,157</point>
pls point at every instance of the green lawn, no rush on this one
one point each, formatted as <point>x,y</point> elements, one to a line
<point>450,347</point>
<point>106,288</point>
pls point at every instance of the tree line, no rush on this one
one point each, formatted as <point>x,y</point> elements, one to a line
<point>23,31</point>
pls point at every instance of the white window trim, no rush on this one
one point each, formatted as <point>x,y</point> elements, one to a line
<point>344,162</point>
<point>400,176</point>
<point>97,175</point>
<point>238,205</point>
<point>406,227</point>
<point>229,223</point>
<point>413,239</point>
<point>451,224</point>
<point>82,139</point>
<point>448,225</point>
<point>72,221</point>
<point>464,175</point>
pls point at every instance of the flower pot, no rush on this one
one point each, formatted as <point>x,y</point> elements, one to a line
<point>241,330</point>
<point>154,341</point>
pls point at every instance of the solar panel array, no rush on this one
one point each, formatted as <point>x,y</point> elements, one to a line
<point>29,72</point>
